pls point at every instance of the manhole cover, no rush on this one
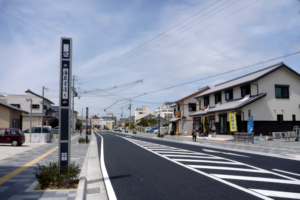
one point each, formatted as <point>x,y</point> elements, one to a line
<point>93,190</point>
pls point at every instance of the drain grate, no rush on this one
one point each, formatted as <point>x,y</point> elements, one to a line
<point>93,190</point>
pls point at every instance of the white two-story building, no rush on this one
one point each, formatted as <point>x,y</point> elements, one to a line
<point>270,95</point>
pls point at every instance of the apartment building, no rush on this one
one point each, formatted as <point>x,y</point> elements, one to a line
<point>141,112</point>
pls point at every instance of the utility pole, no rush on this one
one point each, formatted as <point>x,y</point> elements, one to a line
<point>130,116</point>
<point>72,114</point>
<point>82,118</point>
<point>181,107</point>
<point>43,111</point>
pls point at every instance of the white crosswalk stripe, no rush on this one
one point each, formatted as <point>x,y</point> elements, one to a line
<point>202,162</point>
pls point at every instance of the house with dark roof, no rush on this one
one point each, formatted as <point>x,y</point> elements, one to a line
<point>271,95</point>
<point>20,102</point>
<point>183,108</point>
<point>10,116</point>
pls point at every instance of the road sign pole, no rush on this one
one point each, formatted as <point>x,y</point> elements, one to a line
<point>64,152</point>
<point>87,125</point>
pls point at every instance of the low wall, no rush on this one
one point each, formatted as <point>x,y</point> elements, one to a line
<point>37,137</point>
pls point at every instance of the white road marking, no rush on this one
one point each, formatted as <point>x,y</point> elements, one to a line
<point>259,179</point>
<point>207,161</point>
<point>164,149</point>
<point>228,168</point>
<point>234,154</point>
<point>174,150</point>
<point>205,174</point>
<point>270,193</point>
<point>187,153</point>
<point>286,172</point>
<point>186,156</point>
<point>109,189</point>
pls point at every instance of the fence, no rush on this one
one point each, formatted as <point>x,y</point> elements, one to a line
<point>243,137</point>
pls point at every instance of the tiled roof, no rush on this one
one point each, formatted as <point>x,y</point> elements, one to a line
<point>243,79</point>
<point>231,105</point>
<point>12,107</point>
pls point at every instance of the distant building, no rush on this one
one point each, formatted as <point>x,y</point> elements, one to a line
<point>141,112</point>
<point>165,111</point>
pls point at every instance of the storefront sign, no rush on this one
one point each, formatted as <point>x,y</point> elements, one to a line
<point>250,125</point>
<point>233,126</point>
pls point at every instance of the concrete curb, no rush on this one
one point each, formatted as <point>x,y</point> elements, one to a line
<point>81,190</point>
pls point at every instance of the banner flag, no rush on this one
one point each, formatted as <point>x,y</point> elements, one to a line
<point>250,124</point>
<point>233,126</point>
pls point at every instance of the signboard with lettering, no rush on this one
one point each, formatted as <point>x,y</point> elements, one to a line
<point>65,101</point>
<point>232,122</point>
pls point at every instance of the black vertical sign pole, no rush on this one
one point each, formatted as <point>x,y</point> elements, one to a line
<point>64,152</point>
<point>87,125</point>
<point>158,131</point>
<point>91,125</point>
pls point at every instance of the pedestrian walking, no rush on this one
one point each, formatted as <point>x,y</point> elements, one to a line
<point>194,134</point>
<point>199,130</point>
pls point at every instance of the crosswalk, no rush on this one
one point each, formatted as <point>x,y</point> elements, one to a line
<point>228,171</point>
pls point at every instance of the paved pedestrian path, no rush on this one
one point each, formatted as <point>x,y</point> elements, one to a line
<point>17,180</point>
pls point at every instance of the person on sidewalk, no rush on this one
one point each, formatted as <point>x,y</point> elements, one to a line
<point>194,133</point>
<point>199,130</point>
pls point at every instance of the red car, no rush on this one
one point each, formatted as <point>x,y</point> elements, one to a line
<point>12,135</point>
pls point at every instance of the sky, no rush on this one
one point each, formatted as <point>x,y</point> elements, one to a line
<point>164,43</point>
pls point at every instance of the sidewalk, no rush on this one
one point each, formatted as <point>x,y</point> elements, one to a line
<point>276,148</point>
<point>17,180</point>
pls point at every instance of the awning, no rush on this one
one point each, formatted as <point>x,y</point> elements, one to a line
<point>174,119</point>
<point>231,105</point>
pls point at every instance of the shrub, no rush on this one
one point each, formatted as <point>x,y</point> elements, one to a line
<point>83,140</point>
<point>161,135</point>
<point>134,132</point>
<point>89,132</point>
<point>56,175</point>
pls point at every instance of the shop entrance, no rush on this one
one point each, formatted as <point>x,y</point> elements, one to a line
<point>223,124</point>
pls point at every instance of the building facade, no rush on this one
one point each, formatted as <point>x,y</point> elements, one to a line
<point>270,95</point>
<point>141,112</point>
<point>183,108</point>
<point>165,111</point>
<point>20,102</point>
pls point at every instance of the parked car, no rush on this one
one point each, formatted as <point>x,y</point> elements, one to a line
<point>12,135</point>
<point>55,130</point>
<point>115,128</point>
<point>151,130</point>
<point>38,130</point>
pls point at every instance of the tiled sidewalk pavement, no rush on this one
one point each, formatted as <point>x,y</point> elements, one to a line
<point>15,188</point>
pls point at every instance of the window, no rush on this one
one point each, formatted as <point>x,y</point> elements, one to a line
<point>280,119</point>
<point>217,98</point>
<point>15,105</point>
<point>206,101</point>
<point>245,90</point>
<point>178,107</point>
<point>170,110</point>
<point>45,107</point>
<point>139,109</point>
<point>228,95</point>
<point>294,118</point>
<point>11,132</point>
<point>164,111</point>
<point>35,106</point>
<point>192,106</point>
<point>140,113</point>
<point>2,131</point>
<point>282,91</point>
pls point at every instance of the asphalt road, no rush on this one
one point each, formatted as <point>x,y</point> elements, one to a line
<point>142,168</point>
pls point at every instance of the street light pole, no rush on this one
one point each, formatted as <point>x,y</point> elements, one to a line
<point>29,99</point>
